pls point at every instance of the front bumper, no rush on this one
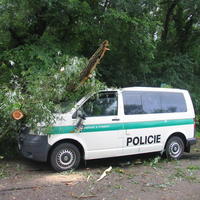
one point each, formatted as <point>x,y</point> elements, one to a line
<point>190,141</point>
<point>34,147</point>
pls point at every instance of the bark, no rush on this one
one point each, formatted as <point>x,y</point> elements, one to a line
<point>91,66</point>
<point>94,61</point>
<point>167,19</point>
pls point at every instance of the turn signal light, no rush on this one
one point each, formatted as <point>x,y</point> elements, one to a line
<point>195,125</point>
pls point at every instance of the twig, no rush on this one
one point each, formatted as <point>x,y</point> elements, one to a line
<point>82,197</point>
<point>104,173</point>
<point>27,188</point>
<point>21,188</point>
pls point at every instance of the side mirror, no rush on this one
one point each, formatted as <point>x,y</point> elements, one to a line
<point>80,114</point>
<point>79,125</point>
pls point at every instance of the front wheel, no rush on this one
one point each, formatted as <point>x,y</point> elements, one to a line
<point>64,157</point>
<point>174,148</point>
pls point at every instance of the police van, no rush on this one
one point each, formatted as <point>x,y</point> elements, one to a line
<point>116,122</point>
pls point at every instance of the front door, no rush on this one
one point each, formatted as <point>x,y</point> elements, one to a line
<point>103,131</point>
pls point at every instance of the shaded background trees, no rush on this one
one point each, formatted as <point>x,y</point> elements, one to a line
<point>152,43</point>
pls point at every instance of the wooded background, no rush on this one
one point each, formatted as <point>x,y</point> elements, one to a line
<point>44,45</point>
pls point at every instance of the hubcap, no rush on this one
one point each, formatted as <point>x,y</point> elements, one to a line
<point>65,158</point>
<point>175,149</point>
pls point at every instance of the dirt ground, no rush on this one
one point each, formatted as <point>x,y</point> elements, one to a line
<point>144,177</point>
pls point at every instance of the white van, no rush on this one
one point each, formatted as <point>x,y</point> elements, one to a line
<point>116,122</point>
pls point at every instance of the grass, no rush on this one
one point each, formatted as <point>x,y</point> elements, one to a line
<point>119,170</point>
<point>185,174</point>
<point>117,186</point>
<point>178,174</point>
<point>3,173</point>
<point>191,178</point>
<point>154,162</point>
<point>161,185</point>
<point>193,167</point>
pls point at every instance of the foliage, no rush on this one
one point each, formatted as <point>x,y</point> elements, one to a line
<point>37,90</point>
<point>38,81</point>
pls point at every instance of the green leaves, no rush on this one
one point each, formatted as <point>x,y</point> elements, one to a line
<point>36,78</point>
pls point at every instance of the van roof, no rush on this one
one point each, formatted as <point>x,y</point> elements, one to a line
<point>152,89</point>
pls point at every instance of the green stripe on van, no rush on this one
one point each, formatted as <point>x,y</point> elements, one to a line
<point>153,124</point>
<point>121,126</point>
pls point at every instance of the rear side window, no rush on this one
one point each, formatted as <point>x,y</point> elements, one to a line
<point>173,102</point>
<point>132,103</point>
<point>153,102</point>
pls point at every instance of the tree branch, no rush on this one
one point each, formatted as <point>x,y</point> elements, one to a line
<point>91,66</point>
<point>167,19</point>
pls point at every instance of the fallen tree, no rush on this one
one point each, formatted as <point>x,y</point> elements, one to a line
<point>35,93</point>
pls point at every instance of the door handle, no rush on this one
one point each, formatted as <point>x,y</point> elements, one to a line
<point>115,119</point>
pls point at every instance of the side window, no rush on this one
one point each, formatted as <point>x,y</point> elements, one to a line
<point>173,102</point>
<point>151,102</point>
<point>101,104</point>
<point>132,103</point>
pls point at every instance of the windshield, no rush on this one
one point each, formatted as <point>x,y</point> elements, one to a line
<point>63,107</point>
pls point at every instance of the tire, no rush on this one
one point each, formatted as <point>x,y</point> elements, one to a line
<point>174,148</point>
<point>64,157</point>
